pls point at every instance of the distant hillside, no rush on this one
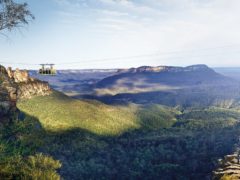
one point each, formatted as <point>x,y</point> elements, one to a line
<point>157,69</point>
<point>196,85</point>
<point>163,78</point>
<point>59,112</point>
<point>233,72</point>
<point>74,82</point>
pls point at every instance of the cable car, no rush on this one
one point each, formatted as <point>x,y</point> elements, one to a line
<point>47,69</point>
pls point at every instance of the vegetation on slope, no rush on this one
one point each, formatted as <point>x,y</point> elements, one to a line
<point>19,158</point>
<point>59,112</point>
<point>131,142</point>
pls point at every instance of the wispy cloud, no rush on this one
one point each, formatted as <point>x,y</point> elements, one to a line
<point>116,15</point>
<point>112,13</point>
<point>96,29</point>
<point>163,18</point>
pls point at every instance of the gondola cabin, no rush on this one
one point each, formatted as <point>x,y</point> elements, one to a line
<point>47,69</point>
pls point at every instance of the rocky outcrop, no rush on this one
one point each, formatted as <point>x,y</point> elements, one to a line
<point>28,87</point>
<point>20,76</point>
<point>16,85</point>
<point>157,69</point>
<point>8,95</point>
<point>27,90</point>
<point>229,167</point>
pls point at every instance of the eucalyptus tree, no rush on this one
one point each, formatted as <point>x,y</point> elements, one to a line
<point>13,14</point>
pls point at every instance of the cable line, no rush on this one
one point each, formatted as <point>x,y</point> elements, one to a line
<point>117,59</point>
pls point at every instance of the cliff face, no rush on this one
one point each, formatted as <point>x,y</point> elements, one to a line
<point>28,87</point>
<point>150,69</point>
<point>15,85</point>
<point>8,95</point>
<point>164,76</point>
<point>229,167</point>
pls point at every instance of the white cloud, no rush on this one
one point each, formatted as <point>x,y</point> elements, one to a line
<point>147,26</point>
<point>112,13</point>
<point>99,29</point>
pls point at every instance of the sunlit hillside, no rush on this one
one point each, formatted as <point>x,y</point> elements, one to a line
<point>59,112</point>
<point>92,139</point>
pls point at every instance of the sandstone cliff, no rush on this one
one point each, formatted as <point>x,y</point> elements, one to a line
<point>27,86</point>
<point>157,69</point>
<point>16,85</point>
<point>229,167</point>
<point>8,95</point>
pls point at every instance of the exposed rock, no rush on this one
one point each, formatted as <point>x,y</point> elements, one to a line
<point>10,73</point>
<point>15,85</point>
<point>8,95</point>
<point>229,167</point>
<point>27,86</point>
<point>157,69</point>
<point>33,88</point>
<point>20,76</point>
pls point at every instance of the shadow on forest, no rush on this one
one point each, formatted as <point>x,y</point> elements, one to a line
<point>174,153</point>
<point>188,97</point>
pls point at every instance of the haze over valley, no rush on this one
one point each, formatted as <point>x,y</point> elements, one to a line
<point>145,85</point>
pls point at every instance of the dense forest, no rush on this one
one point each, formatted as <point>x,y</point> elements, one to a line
<point>169,144</point>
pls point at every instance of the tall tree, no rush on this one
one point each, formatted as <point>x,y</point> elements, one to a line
<point>13,14</point>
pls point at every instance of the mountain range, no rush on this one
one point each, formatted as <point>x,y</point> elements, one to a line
<point>163,78</point>
<point>196,85</point>
<point>153,122</point>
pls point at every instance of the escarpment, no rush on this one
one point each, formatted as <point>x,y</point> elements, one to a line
<point>27,86</point>
<point>229,167</point>
<point>158,69</point>
<point>8,95</point>
<point>16,85</point>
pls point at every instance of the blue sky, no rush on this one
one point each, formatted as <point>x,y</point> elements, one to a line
<point>126,33</point>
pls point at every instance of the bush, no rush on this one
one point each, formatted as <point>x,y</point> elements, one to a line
<point>38,166</point>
